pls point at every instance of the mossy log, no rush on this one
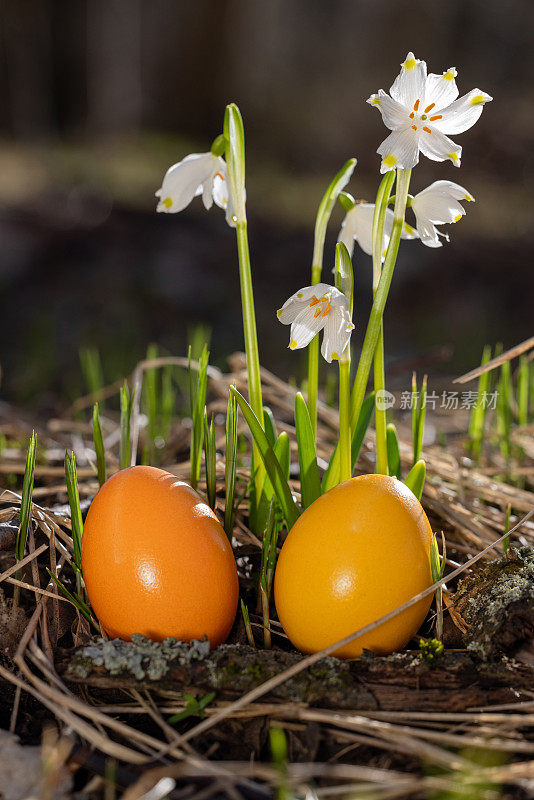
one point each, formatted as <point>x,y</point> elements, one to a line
<point>403,681</point>
<point>495,605</point>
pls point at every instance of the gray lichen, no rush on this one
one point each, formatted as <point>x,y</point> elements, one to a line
<point>141,658</point>
<point>497,603</point>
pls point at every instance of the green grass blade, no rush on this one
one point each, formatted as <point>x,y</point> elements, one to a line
<point>415,415</point>
<point>358,436</point>
<point>504,410</point>
<point>92,371</point>
<point>198,337</point>
<point>99,447</point>
<point>523,390</point>
<point>362,425</point>
<point>418,416</point>
<point>210,459</point>
<point>168,402</point>
<point>198,387</point>
<point>71,479</point>
<point>26,501</point>
<point>126,412</point>
<point>230,465</point>
<point>269,425</point>
<point>310,480</point>
<point>421,418</point>
<point>415,480</point>
<point>194,708</point>
<point>150,403</point>
<point>394,461</point>
<point>436,573</point>
<point>272,465</point>
<point>282,452</point>
<point>477,416</point>
<point>76,601</point>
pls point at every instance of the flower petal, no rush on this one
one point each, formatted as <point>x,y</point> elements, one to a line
<point>440,209</point>
<point>448,187</point>
<point>428,233</point>
<point>409,85</point>
<point>337,333</point>
<point>183,179</point>
<point>305,327</point>
<point>358,225</point>
<point>463,113</point>
<point>441,90</point>
<point>394,115</point>
<point>400,149</point>
<point>299,301</point>
<point>438,147</point>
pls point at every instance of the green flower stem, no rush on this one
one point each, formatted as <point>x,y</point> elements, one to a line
<point>235,158</point>
<point>251,342</point>
<point>344,416</point>
<point>379,217</point>
<point>379,379</point>
<point>323,216</point>
<point>372,333</point>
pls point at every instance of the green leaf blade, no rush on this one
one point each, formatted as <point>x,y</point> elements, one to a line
<point>310,480</point>
<point>415,480</point>
<point>272,465</point>
<point>26,500</point>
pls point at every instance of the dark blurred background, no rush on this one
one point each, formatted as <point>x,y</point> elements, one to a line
<point>99,97</point>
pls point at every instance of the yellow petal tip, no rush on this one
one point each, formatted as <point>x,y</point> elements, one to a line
<point>292,344</point>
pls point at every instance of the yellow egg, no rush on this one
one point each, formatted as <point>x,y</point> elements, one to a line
<point>358,552</point>
<point>156,560</point>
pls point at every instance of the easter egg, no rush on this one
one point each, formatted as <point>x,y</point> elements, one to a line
<point>356,553</point>
<point>156,560</point>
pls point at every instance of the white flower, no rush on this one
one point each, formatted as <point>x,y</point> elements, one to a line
<point>197,174</point>
<point>421,110</point>
<point>312,309</point>
<point>358,225</point>
<point>438,204</point>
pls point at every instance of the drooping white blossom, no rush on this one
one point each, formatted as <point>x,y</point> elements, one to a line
<point>420,111</point>
<point>358,226</point>
<point>317,308</point>
<point>197,174</point>
<point>438,204</point>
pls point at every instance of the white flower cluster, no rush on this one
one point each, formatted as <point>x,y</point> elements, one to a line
<point>420,111</point>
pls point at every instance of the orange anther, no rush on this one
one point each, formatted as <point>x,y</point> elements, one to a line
<point>429,108</point>
<point>314,302</point>
<point>327,310</point>
<point>437,116</point>
<point>414,127</point>
<point>416,105</point>
<point>426,129</point>
<point>412,115</point>
<point>317,313</point>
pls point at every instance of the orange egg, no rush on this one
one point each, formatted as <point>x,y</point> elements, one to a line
<point>157,561</point>
<point>358,552</point>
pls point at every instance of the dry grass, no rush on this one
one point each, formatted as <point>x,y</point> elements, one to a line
<point>374,754</point>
